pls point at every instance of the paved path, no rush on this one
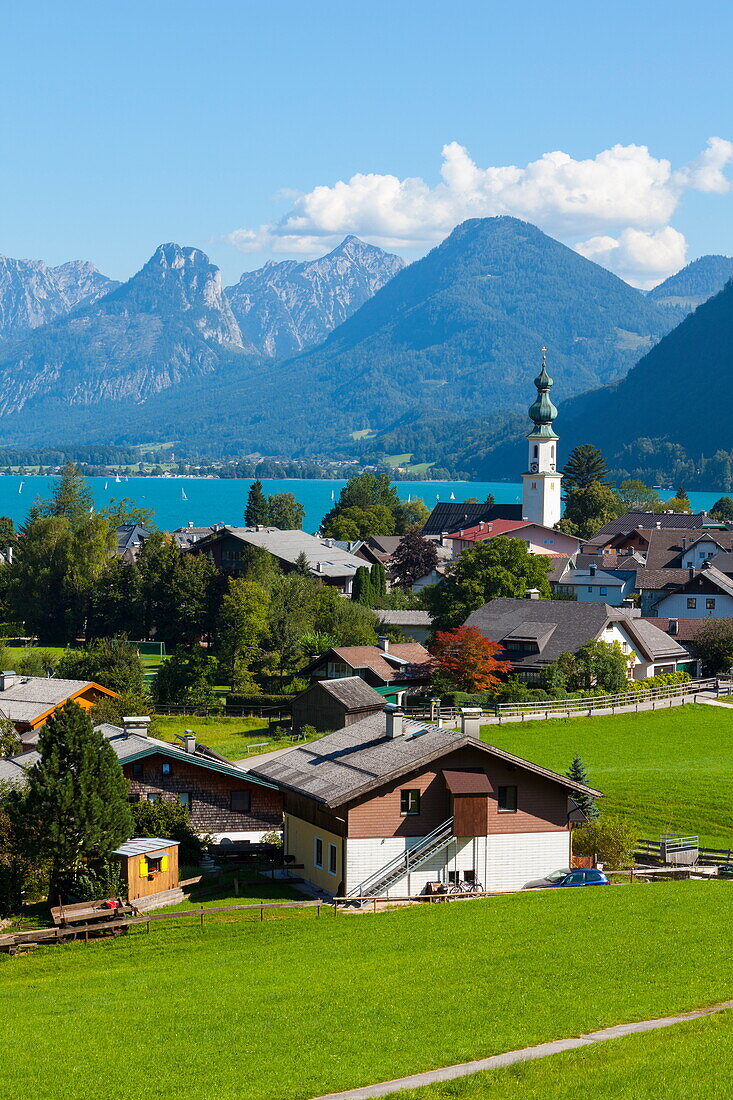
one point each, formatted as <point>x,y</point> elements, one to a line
<point>711,701</point>
<point>263,757</point>
<point>528,1054</point>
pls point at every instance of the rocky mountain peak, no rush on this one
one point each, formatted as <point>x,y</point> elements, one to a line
<point>287,307</point>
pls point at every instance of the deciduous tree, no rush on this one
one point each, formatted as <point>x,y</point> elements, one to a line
<point>488,569</point>
<point>241,629</point>
<point>714,645</point>
<point>464,660</point>
<point>415,557</point>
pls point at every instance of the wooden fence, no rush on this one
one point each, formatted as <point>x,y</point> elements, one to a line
<point>651,851</point>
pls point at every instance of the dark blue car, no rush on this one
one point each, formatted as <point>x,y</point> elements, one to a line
<point>568,877</point>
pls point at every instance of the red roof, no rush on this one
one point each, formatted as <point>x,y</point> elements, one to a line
<point>488,530</point>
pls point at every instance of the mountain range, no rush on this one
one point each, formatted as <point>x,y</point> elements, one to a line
<point>435,358</point>
<point>32,294</point>
<point>284,308</point>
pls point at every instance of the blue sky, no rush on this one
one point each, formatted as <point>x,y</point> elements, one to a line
<point>123,126</point>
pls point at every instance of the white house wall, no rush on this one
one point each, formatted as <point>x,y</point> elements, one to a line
<point>675,606</point>
<point>500,862</point>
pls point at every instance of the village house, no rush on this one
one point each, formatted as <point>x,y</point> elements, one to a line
<point>390,667</point>
<point>594,585</point>
<point>227,547</point>
<point>388,805</point>
<point>130,540</point>
<point>29,701</point>
<point>535,632</point>
<point>538,538</point>
<point>224,800</point>
<point>450,515</point>
<point>333,704</point>
<point>416,625</point>
<point>706,594</point>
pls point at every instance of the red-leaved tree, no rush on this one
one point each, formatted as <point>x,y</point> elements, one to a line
<point>466,660</point>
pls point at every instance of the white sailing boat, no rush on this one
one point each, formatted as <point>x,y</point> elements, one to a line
<point>20,487</point>
<point>333,495</point>
<point>437,496</point>
<point>453,496</point>
<point>105,486</point>
<point>117,479</point>
<point>183,495</point>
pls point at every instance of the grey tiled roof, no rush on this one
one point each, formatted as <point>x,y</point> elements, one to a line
<point>404,618</point>
<point>353,692</point>
<point>33,696</point>
<point>342,765</point>
<point>574,625</point>
<point>679,521</point>
<point>659,579</point>
<point>287,546</point>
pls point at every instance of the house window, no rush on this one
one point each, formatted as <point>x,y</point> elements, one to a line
<point>318,852</point>
<point>534,484</point>
<point>332,859</point>
<point>691,602</point>
<point>153,798</point>
<point>166,768</point>
<point>137,770</point>
<point>603,591</point>
<point>240,802</point>
<point>710,604</point>
<point>590,587</point>
<point>508,800</point>
<point>184,797</point>
<point>409,802</point>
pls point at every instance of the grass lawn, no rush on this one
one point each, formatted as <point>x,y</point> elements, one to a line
<point>693,1060</point>
<point>667,770</point>
<point>228,736</point>
<point>253,887</point>
<point>290,1009</point>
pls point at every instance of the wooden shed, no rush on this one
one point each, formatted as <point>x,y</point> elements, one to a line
<point>149,865</point>
<point>333,704</point>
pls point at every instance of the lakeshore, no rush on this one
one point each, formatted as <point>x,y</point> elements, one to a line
<point>203,501</point>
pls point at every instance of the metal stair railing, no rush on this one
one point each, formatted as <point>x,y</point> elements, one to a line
<point>406,861</point>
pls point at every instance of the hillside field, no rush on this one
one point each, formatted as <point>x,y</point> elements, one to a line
<point>291,1009</point>
<point>668,771</point>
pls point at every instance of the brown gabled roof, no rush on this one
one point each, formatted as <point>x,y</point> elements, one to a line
<point>659,579</point>
<point>684,631</point>
<point>371,656</point>
<point>352,692</point>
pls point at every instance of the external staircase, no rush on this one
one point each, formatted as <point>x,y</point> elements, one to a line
<point>380,881</point>
<point>159,901</point>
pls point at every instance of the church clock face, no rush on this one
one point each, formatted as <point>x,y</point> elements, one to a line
<point>552,467</point>
<point>534,468</point>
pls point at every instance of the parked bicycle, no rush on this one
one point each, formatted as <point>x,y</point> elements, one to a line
<point>465,887</point>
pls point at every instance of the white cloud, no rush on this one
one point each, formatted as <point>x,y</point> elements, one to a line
<point>618,205</point>
<point>639,257</point>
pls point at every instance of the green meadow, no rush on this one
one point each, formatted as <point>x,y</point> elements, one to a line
<point>291,1009</point>
<point>668,771</point>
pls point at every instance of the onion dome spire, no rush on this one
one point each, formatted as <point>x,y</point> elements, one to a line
<point>542,411</point>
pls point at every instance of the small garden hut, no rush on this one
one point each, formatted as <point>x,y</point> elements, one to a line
<point>149,865</point>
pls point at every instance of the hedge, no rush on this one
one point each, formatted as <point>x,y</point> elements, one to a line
<point>236,700</point>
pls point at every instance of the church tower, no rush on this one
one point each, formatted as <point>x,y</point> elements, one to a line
<point>541,485</point>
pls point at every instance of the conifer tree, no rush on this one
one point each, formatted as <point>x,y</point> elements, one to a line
<point>257,509</point>
<point>584,802</point>
<point>75,809</point>
<point>585,465</point>
<point>362,589</point>
<point>302,566</point>
<point>379,581</point>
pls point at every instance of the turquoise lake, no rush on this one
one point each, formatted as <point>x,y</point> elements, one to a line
<point>205,501</point>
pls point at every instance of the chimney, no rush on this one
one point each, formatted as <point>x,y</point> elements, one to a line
<point>658,525</point>
<point>189,741</point>
<point>592,570</point>
<point>674,627</point>
<point>136,727</point>
<point>319,567</point>
<point>8,679</point>
<point>471,722</point>
<point>532,594</point>
<point>443,535</point>
<point>383,643</point>
<point>329,543</point>
<point>684,543</point>
<point>395,722</point>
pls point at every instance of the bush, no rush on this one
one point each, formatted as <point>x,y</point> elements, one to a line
<point>611,839</point>
<point>95,883</point>
<point>170,821</point>
<point>236,699</point>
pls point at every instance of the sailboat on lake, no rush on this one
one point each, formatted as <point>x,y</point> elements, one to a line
<point>20,487</point>
<point>183,495</point>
